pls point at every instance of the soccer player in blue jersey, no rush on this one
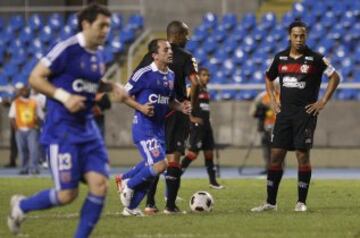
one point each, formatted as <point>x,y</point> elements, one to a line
<point>153,85</point>
<point>70,75</point>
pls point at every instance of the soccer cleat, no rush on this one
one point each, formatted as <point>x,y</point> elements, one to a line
<point>126,194</point>
<point>300,207</point>
<point>119,183</point>
<point>264,208</point>
<point>151,210</point>
<point>132,212</point>
<point>216,186</point>
<point>172,211</point>
<point>16,216</point>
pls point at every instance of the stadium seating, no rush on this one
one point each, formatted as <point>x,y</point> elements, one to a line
<point>238,51</point>
<point>24,41</point>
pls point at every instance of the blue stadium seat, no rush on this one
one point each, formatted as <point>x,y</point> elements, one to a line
<point>116,21</point>
<point>17,22</point>
<point>227,94</point>
<point>328,20</point>
<point>136,22</point>
<point>239,56</point>
<point>210,21</point>
<point>55,22</point>
<point>287,18</point>
<point>116,45</point>
<point>10,70</point>
<point>8,35</point>
<point>72,21</point>
<point>230,45</point>
<point>268,20</point>
<point>127,35</point>
<point>26,34</point>
<point>228,68</point>
<point>210,45</point>
<point>248,21</point>
<point>46,34</point>
<point>200,55</point>
<point>66,32</point>
<point>2,24</point>
<point>220,33</point>
<point>35,22</point>
<point>229,21</point>
<point>200,33</point>
<point>108,55</point>
<point>259,33</point>
<point>18,57</point>
<point>346,94</point>
<point>191,45</point>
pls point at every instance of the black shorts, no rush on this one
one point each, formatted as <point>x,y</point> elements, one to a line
<point>294,130</point>
<point>201,137</point>
<point>176,130</point>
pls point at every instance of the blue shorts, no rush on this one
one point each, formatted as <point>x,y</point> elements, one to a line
<point>152,150</point>
<point>70,162</point>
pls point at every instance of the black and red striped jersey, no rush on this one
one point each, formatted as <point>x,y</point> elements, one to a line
<point>202,107</point>
<point>300,78</point>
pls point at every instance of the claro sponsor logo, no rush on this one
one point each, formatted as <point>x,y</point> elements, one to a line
<point>81,85</point>
<point>154,98</point>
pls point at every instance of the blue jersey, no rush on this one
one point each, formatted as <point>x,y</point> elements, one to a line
<point>149,84</point>
<point>78,71</point>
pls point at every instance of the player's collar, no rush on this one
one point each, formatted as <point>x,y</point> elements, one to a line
<point>82,43</point>
<point>155,68</point>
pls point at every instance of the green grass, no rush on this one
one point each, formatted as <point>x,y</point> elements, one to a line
<point>334,211</point>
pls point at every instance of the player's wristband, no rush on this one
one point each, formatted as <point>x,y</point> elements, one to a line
<point>61,95</point>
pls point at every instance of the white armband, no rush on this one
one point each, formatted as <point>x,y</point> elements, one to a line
<point>61,95</point>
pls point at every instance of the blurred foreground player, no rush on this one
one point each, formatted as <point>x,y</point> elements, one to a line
<point>70,75</point>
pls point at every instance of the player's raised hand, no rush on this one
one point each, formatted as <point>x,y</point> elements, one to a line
<point>75,103</point>
<point>315,108</point>
<point>147,109</point>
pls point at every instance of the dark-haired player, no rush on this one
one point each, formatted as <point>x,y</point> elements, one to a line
<point>300,71</point>
<point>70,75</point>
<point>201,134</point>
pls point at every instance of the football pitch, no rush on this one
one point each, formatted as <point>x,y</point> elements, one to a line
<point>334,211</point>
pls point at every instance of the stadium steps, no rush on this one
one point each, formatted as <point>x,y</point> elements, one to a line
<point>279,7</point>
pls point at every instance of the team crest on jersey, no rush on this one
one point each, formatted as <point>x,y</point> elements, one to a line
<point>304,68</point>
<point>94,67</point>
<point>93,59</point>
<point>284,68</point>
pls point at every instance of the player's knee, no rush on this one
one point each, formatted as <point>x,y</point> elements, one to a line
<point>192,155</point>
<point>303,157</point>
<point>208,155</point>
<point>100,188</point>
<point>160,166</point>
<point>67,196</point>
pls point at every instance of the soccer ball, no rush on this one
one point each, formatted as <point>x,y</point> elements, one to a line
<point>201,201</point>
